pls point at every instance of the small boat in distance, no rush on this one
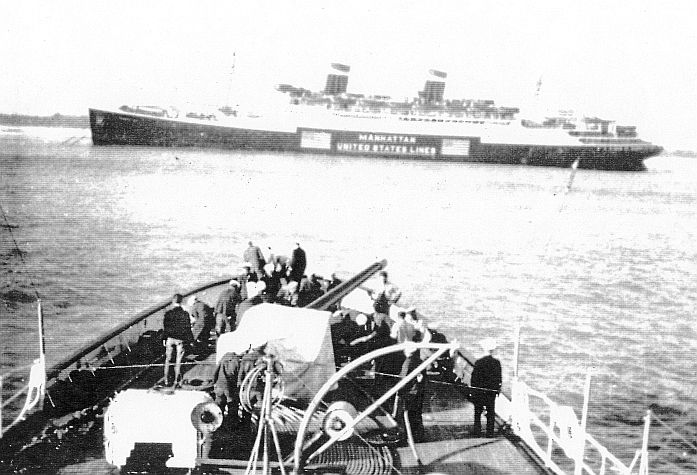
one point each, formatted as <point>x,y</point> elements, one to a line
<point>428,127</point>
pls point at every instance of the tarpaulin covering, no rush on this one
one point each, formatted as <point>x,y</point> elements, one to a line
<point>299,338</point>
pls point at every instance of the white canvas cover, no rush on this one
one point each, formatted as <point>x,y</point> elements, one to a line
<point>299,338</point>
<point>358,300</point>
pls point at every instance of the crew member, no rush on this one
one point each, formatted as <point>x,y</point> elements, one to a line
<point>486,385</point>
<point>226,308</point>
<point>298,263</point>
<point>177,332</point>
<point>305,295</point>
<point>334,281</point>
<point>386,295</point>
<point>202,322</point>
<point>244,277</point>
<point>411,396</point>
<point>226,390</point>
<point>255,258</point>
<point>401,329</point>
<point>343,334</point>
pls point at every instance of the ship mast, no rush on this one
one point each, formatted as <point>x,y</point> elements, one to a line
<point>232,78</point>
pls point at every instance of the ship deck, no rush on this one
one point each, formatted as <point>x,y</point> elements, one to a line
<point>449,446</point>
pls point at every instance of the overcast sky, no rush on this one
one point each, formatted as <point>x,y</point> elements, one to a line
<point>629,60</point>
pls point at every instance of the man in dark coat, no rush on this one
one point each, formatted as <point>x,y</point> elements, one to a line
<point>226,308</point>
<point>202,322</point>
<point>333,282</point>
<point>298,263</point>
<point>411,396</point>
<point>176,327</point>
<point>486,385</point>
<point>226,388</point>
<point>305,295</point>
<point>272,279</point>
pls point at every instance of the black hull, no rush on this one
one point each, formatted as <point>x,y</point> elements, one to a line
<point>114,128</point>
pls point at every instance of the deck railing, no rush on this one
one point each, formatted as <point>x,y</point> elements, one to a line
<point>555,435</point>
<point>122,339</point>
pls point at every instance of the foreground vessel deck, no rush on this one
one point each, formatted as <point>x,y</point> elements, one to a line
<point>67,435</point>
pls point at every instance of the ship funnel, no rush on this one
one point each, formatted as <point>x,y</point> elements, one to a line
<point>337,79</point>
<point>434,87</point>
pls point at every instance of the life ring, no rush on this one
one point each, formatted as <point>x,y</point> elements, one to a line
<point>207,417</point>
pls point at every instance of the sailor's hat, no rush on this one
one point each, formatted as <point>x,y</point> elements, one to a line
<point>488,344</point>
<point>361,319</point>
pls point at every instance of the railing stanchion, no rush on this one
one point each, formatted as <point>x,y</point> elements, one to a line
<point>516,350</point>
<point>578,468</point>
<point>644,463</point>
<point>42,351</point>
<point>0,407</point>
<point>550,438</point>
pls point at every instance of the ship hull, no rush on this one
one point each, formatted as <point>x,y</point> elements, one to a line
<point>117,128</point>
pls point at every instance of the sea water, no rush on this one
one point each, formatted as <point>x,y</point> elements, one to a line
<point>601,278</point>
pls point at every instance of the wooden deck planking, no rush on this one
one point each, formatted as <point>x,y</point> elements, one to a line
<point>449,447</point>
<point>467,456</point>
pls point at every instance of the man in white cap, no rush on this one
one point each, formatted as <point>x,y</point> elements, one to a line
<point>486,385</point>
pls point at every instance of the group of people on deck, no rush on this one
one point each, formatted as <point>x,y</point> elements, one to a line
<point>278,279</point>
<point>391,324</point>
<point>283,281</point>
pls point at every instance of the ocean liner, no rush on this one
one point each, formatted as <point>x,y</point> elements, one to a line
<point>428,127</point>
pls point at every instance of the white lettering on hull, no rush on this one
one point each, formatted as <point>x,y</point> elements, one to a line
<point>387,138</point>
<point>386,149</point>
<point>386,144</point>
